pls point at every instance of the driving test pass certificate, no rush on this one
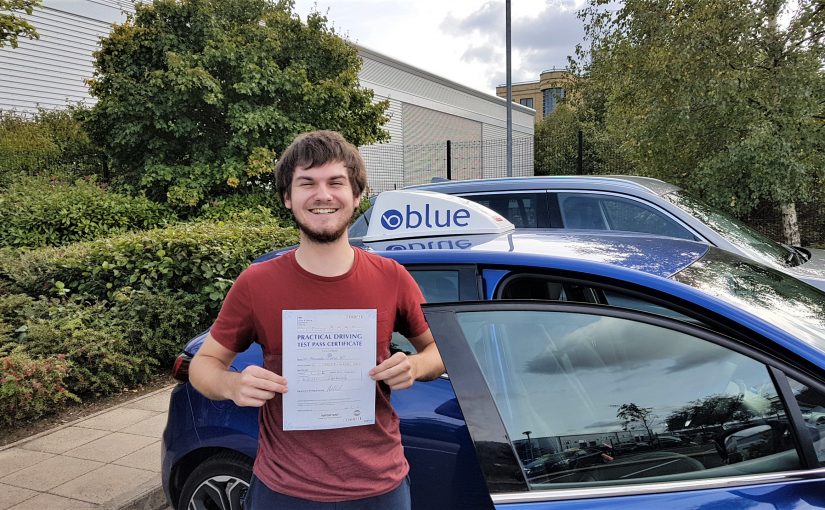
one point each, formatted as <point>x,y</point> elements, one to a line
<point>327,356</point>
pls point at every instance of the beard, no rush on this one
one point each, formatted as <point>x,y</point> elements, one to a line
<point>321,237</point>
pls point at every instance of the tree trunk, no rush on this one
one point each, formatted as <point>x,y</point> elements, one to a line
<point>790,225</point>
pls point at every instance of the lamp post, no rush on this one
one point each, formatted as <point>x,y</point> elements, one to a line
<point>509,93</point>
<point>529,443</point>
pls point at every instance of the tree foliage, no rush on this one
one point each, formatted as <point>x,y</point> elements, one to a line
<point>196,98</point>
<point>633,415</point>
<point>724,97</point>
<point>709,411</point>
<point>12,24</point>
<point>556,146</point>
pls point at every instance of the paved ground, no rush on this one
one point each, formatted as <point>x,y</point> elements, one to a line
<point>110,460</point>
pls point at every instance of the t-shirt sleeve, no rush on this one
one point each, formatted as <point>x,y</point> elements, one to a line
<point>234,328</point>
<point>409,320</point>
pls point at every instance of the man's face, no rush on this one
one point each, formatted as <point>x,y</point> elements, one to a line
<point>321,201</point>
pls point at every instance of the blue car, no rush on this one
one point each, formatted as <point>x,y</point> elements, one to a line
<point>627,203</point>
<point>584,370</point>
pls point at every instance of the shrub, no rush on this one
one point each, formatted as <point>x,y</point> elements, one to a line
<point>37,211</point>
<point>91,340</point>
<point>50,142</point>
<point>31,388</point>
<point>258,201</point>
<point>159,323</point>
<point>200,258</point>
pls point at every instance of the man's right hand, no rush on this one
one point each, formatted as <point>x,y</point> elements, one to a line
<point>255,385</point>
<point>210,374</point>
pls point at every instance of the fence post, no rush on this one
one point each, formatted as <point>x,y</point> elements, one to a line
<point>579,162</point>
<point>449,161</point>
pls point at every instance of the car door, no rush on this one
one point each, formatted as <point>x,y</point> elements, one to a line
<point>574,406</point>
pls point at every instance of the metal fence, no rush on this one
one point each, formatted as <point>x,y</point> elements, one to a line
<point>811,219</point>
<point>578,154</point>
<point>393,166</point>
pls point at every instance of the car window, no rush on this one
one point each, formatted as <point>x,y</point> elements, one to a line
<point>360,225</point>
<point>549,288</point>
<point>594,400</point>
<point>438,286</point>
<point>520,209</point>
<point>595,211</point>
<point>756,245</point>
<point>812,405</point>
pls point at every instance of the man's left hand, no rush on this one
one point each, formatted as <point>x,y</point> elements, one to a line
<point>397,371</point>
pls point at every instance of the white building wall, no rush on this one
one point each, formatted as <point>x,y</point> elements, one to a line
<point>50,72</point>
<point>436,110</point>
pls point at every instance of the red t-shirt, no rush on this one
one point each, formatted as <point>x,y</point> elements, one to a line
<point>323,465</point>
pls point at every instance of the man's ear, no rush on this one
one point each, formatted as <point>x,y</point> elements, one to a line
<point>287,201</point>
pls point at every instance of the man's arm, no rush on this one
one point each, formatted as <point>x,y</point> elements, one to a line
<point>209,373</point>
<point>400,371</point>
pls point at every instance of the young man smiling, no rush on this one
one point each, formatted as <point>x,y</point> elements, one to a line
<point>321,178</point>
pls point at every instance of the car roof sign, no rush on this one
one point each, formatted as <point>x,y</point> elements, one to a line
<point>405,214</point>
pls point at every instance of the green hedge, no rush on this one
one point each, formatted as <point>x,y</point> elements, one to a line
<point>201,259</point>
<point>50,142</point>
<point>257,201</point>
<point>88,349</point>
<point>36,211</point>
<point>92,341</point>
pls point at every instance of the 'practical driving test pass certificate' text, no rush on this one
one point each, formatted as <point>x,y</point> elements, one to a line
<point>327,355</point>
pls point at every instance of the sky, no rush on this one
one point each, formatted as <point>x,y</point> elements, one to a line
<point>461,40</point>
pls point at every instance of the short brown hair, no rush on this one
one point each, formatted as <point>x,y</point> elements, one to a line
<point>317,148</point>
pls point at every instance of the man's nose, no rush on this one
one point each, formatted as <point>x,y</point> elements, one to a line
<point>323,193</point>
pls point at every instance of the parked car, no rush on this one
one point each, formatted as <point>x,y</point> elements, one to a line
<point>549,332</point>
<point>628,203</point>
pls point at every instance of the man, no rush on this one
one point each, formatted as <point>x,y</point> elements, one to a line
<point>320,179</point>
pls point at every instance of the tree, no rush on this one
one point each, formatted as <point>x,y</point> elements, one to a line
<point>632,414</point>
<point>196,98</point>
<point>724,97</point>
<point>709,411</point>
<point>556,145</point>
<point>12,25</point>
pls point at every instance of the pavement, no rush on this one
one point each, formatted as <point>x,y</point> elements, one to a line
<point>109,460</point>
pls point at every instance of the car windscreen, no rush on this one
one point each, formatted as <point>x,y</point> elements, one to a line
<point>756,245</point>
<point>767,293</point>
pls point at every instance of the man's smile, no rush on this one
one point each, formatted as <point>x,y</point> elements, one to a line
<point>323,211</point>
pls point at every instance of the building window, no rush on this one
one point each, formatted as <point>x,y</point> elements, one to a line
<point>551,98</point>
<point>526,101</point>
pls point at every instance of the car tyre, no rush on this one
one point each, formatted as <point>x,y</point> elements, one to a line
<point>218,483</point>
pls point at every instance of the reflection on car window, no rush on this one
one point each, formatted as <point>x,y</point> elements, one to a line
<point>360,225</point>
<point>547,288</point>
<point>812,405</point>
<point>776,297</point>
<point>520,209</point>
<point>737,233</point>
<point>609,212</point>
<point>438,286</point>
<point>596,400</point>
